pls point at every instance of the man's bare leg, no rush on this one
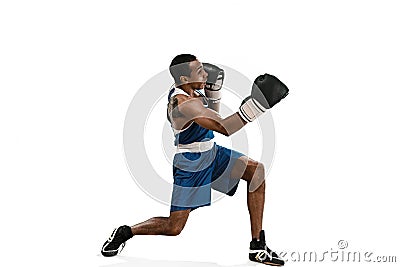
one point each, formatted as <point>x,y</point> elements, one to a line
<point>255,205</point>
<point>253,173</point>
<point>172,225</point>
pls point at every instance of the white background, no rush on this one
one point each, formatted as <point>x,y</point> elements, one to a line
<point>69,69</point>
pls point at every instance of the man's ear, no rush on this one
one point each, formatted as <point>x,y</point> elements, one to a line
<point>184,79</point>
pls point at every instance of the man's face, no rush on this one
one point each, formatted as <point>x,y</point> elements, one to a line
<point>198,76</point>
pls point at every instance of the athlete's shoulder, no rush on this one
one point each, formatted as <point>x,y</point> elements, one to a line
<point>186,99</point>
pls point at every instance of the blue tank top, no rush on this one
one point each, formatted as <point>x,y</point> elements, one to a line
<point>192,133</point>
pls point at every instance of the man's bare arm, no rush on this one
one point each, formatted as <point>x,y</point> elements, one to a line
<point>194,110</point>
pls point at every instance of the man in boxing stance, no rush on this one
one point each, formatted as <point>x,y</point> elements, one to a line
<point>199,163</point>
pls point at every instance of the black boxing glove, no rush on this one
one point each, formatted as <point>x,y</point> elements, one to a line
<point>214,82</point>
<point>266,92</point>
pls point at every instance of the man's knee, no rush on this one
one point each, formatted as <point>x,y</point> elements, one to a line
<point>260,170</point>
<point>255,176</point>
<point>175,229</point>
<point>177,221</point>
<point>255,171</point>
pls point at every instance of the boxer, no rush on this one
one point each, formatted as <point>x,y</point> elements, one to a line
<point>200,164</point>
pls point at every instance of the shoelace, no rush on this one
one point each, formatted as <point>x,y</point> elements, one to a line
<point>268,251</point>
<point>112,235</point>
<point>271,253</point>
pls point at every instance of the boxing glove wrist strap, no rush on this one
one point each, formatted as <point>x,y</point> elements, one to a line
<point>213,95</point>
<point>250,109</point>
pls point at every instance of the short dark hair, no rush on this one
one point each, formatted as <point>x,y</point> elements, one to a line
<point>180,66</point>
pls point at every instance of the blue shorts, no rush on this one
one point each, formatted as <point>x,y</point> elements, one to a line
<point>196,173</point>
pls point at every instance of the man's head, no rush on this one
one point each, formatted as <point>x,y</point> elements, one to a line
<point>186,69</point>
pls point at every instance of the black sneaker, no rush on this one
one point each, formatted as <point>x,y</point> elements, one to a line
<point>116,242</point>
<point>259,252</point>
